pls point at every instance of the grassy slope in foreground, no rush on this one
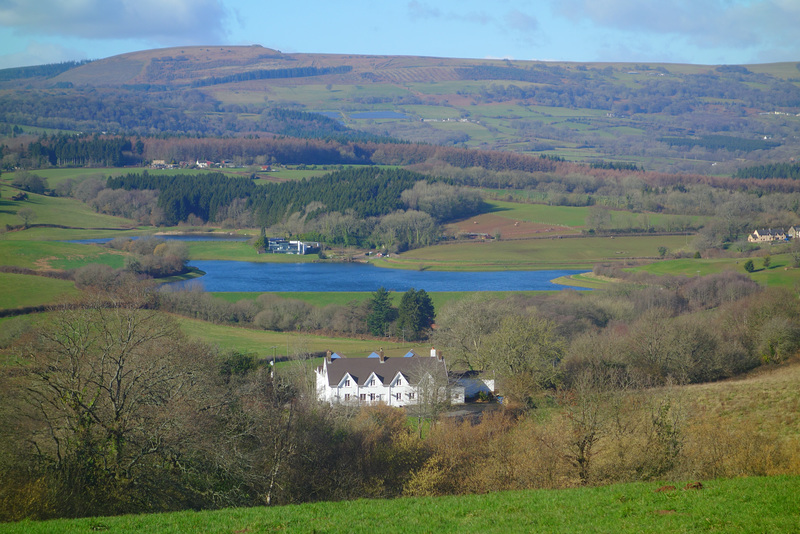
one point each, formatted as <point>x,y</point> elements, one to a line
<point>735,505</point>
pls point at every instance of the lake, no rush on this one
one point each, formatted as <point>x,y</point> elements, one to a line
<point>330,277</point>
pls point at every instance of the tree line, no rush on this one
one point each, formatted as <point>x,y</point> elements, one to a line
<point>271,74</point>
<point>81,151</point>
<point>717,142</point>
<point>49,70</point>
<point>771,170</point>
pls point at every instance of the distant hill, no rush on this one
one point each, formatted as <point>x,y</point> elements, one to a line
<point>640,115</point>
<point>181,66</point>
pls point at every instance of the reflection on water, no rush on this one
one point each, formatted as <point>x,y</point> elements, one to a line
<point>279,277</point>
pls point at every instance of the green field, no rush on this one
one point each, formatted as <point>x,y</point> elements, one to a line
<point>266,343</point>
<point>54,210</point>
<point>56,255</point>
<point>532,254</point>
<point>322,299</point>
<point>758,504</point>
<point>20,290</point>
<point>779,274</point>
<point>576,216</point>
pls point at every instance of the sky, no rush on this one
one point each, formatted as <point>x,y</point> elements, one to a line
<point>35,32</point>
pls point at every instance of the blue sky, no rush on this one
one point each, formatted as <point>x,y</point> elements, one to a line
<point>34,32</point>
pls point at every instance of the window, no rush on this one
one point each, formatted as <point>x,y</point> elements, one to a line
<point>347,383</point>
<point>410,395</point>
<point>362,397</point>
<point>398,396</point>
<point>399,382</point>
<point>371,382</point>
<point>347,396</point>
<point>372,396</point>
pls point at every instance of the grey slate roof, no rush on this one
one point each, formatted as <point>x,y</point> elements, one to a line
<point>361,368</point>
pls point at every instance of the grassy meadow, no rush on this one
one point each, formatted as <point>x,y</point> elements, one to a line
<point>55,210</point>
<point>766,401</point>
<point>755,504</point>
<point>576,216</point>
<point>780,272</point>
<point>266,343</point>
<point>56,255</point>
<point>20,290</point>
<point>439,299</point>
<point>532,254</point>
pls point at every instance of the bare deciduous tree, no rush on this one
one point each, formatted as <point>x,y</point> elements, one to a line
<point>109,391</point>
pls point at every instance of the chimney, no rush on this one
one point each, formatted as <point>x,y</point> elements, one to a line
<point>328,357</point>
<point>382,357</point>
<point>436,354</point>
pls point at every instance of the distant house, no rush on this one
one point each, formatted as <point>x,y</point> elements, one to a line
<point>767,235</point>
<point>397,381</point>
<point>792,232</point>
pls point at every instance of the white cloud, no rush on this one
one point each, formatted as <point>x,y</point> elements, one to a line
<point>520,21</point>
<point>514,20</point>
<point>714,23</point>
<point>162,21</point>
<point>37,53</point>
<point>420,11</point>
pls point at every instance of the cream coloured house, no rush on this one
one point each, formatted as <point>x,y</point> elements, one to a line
<point>766,235</point>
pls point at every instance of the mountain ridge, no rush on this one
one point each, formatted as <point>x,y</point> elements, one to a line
<point>177,66</point>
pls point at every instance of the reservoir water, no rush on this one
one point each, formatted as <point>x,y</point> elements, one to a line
<point>326,277</point>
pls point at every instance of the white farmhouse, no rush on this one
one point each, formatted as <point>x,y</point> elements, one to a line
<point>377,379</point>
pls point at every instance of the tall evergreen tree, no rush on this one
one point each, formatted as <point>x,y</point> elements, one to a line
<point>381,312</point>
<point>416,314</point>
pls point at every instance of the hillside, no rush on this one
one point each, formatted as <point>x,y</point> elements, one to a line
<point>709,119</point>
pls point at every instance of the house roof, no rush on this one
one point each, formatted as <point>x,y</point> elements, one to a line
<point>769,231</point>
<point>362,368</point>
